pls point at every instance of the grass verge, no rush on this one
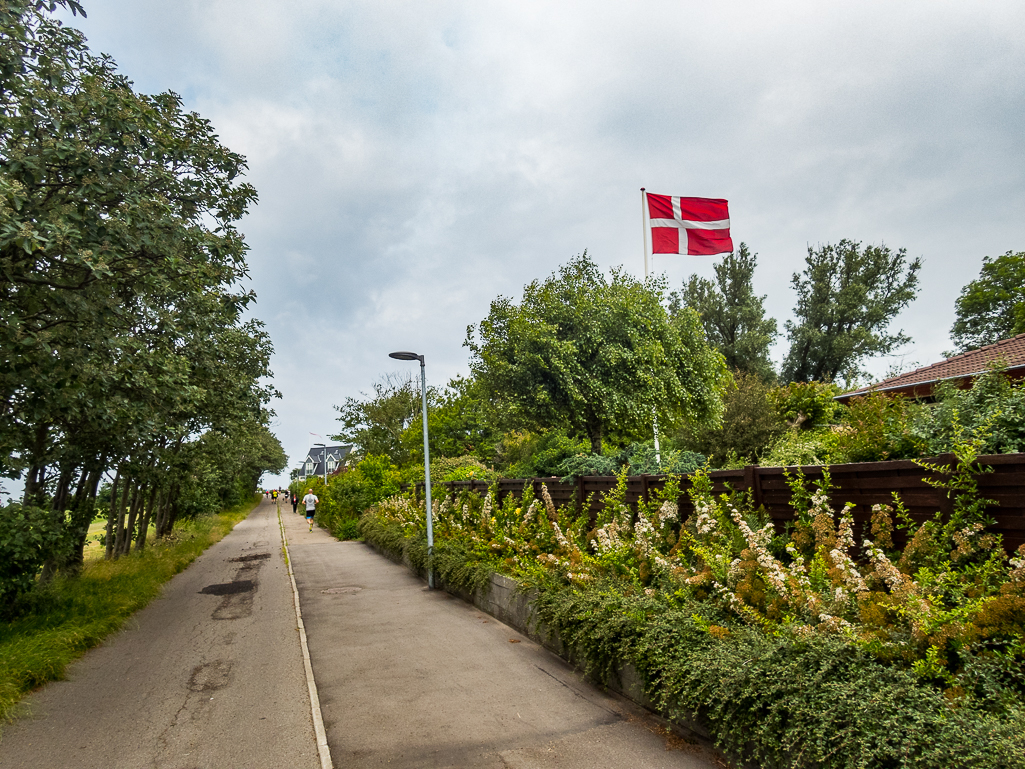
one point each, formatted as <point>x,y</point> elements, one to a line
<point>71,615</point>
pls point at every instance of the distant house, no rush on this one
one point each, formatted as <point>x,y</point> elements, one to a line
<point>961,369</point>
<point>314,464</point>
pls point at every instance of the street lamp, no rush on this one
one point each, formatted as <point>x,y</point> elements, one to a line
<point>325,464</point>
<point>427,460</point>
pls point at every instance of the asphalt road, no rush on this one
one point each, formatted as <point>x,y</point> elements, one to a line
<point>415,678</point>
<point>209,679</point>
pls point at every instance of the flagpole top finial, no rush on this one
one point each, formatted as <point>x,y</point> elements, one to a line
<point>642,189</point>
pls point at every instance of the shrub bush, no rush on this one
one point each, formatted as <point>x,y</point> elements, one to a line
<point>348,494</point>
<point>751,423</point>
<point>28,537</point>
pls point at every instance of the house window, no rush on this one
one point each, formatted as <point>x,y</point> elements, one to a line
<point>309,468</point>
<point>331,464</point>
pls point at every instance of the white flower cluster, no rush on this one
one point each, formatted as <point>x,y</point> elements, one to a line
<point>669,512</point>
<point>549,504</point>
<point>560,537</point>
<point>531,512</point>
<point>608,537</point>
<point>644,535</point>
<point>820,503</point>
<point>706,521</point>
<point>840,556</point>
<point>884,568</point>
<point>757,542</point>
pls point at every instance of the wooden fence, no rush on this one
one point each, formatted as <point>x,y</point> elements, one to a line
<point>863,484</point>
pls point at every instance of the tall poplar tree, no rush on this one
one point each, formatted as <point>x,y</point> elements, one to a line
<point>732,315</point>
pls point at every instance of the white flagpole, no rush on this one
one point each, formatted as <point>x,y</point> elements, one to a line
<point>644,229</point>
<point>644,241</point>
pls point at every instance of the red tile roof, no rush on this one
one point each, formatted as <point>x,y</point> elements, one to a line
<point>920,382</point>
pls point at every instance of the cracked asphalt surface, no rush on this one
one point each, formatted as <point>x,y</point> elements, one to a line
<point>208,675</point>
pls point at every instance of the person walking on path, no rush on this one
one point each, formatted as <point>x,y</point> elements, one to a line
<point>311,502</point>
<point>295,502</point>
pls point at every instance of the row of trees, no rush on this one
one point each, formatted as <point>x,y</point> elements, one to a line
<point>847,296</point>
<point>124,349</point>
<point>586,365</point>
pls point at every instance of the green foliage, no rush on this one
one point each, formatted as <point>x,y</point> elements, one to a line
<point>539,455</point>
<point>376,424</point>
<point>880,427</point>
<point>798,447</point>
<point>732,315</point>
<point>461,469</point>
<point>389,421</point>
<point>846,297</point>
<point>875,428</point>
<point>751,421</point>
<point>635,459</point>
<point>992,307</point>
<point>994,407</point>
<point>28,536</point>
<point>594,356</point>
<point>815,702</point>
<point>806,404</point>
<point>461,421</point>
<point>123,326</point>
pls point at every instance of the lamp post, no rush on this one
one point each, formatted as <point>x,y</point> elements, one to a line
<point>427,460</point>
<point>325,464</point>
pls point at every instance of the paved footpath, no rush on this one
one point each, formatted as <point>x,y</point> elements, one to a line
<point>414,678</point>
<point>210,680</point>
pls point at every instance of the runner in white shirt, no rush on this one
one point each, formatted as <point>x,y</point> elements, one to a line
<point>311,502</point>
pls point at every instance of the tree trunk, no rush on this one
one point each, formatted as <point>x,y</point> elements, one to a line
<point>108,538</point>
<point>125,542</point>
<point>83,511</point>
<point>35,481</point>
<point>140,540</point>
<point>594,434</point>
<point>172,510</point>
<point>60,494</point>
<point>131,491</point>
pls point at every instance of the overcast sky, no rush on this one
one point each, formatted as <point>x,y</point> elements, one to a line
<point>415,160</point>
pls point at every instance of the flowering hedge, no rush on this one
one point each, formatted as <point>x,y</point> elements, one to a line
<point>797,649</point>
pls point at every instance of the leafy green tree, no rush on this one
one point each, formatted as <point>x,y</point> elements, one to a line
<point>732,315</point>
<point>847,295</point>
<point>461,422</point>
<point>375,423</point>
<point>992,307</point>
<point>595,356</point>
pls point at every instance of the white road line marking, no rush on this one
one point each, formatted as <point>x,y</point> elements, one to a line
<point>318,719</point>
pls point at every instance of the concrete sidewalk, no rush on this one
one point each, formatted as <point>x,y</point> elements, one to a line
<point>414,678</point>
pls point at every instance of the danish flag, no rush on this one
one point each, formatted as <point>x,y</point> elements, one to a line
<point>706,222</point>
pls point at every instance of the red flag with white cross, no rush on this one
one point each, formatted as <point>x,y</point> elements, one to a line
<point>689,226</point>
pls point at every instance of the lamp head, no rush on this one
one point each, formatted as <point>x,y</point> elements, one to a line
<point>401,355</point>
